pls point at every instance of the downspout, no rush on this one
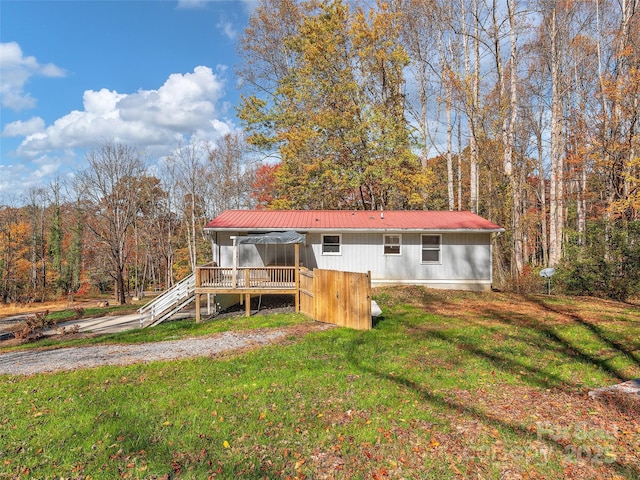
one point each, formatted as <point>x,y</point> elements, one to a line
<point>494,238</point>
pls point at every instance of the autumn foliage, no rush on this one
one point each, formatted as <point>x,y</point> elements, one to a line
<point>526,114</point>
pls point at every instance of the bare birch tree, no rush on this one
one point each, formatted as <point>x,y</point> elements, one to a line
<point>108,189</point>
<point>193,180</point>
<point>233,174</point>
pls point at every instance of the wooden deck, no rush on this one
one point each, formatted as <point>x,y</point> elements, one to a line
<point>246,281</point>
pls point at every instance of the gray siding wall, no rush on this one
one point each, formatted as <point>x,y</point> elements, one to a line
<point>465,258</point>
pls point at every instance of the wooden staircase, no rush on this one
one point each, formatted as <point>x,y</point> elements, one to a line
<point>169,302</point>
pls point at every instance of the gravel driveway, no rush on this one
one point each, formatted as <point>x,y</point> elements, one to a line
<point>28,362</point>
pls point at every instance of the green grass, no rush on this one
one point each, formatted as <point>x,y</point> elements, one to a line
<point>491,391</point>
<point>89,312</point>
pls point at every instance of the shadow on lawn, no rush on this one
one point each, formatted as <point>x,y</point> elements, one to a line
<point>571,349</point>
<point>594,329</point>
<point>508,364</point>
<point>530,329</point>
<point>545,338</point>
<point>440,401</point>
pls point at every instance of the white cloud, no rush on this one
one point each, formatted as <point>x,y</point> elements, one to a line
<point>47,168</point>
<point>22,176</point>
<point>227,29</point>
<point>12,178</point>
<point>22,129</point>
<point>191,4</point>
<point>249,5</point>
<point>221,127</point>
<point>16,71</point>
<point>155,120</point>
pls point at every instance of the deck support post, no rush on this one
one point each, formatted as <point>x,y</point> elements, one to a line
<point>197,308</point>
<point>297,276</point>
<point>198,278</point>
<point>247,304</point>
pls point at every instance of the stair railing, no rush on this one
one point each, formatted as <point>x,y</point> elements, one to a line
<point>169,299</point>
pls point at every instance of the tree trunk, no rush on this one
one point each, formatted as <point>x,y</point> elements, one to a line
<point>120,292</point>
<point>542,192</point>
<point>556,190</point>
<point>450,193</point>
<point>516,182</point>
<point>472,101</point>
<point>459,166</point>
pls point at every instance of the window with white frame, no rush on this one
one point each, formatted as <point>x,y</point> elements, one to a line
<point>392,244</point>
<point>431,248</point>
<point>331,244</point>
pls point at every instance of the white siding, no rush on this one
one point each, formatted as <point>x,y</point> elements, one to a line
<point>466,258</point>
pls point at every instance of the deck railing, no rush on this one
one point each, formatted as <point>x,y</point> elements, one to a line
<point>253,277</point>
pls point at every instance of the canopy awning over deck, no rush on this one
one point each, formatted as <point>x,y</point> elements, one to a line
<point>272,238</point>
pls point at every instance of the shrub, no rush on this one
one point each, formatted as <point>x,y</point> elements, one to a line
<point>592,269</point>
<point>72,329</point>
<point>529,282</point>
<point>33,326</point>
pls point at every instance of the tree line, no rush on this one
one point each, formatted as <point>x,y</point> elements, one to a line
<point>524,112</point>
<point>118,228</point>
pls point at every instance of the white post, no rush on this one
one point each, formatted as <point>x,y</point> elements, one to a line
<point>235,262</point>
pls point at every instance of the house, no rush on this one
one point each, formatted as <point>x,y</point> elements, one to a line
<point>450,250</point>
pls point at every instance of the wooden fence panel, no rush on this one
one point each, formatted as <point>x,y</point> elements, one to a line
<point>306,301</point>
<point>340,298</point>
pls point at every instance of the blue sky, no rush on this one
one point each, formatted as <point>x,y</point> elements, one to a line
<point>73,74</point>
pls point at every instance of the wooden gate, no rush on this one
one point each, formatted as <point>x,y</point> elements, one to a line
<point>307,297</point>
<point>340,298</point>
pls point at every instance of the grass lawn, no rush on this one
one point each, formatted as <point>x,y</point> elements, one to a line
<point>447,385</point>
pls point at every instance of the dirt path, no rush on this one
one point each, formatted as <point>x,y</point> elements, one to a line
<point>38,361</point>
<point>22,309</point>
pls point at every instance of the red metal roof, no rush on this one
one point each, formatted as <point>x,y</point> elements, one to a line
<point>306,220</point>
